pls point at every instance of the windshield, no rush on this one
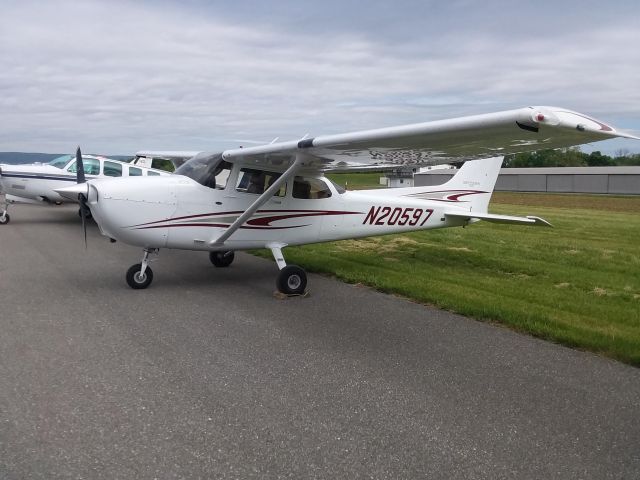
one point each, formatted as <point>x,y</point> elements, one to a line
<point>208,170</point>
<point>60,162</point>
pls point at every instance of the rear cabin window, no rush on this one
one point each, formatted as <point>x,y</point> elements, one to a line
<point>310,188</point>
<point>163,164</point>
<point>150,173</point>
<point>135,172</point>
<point>112,169</point>
<point>251,180</point>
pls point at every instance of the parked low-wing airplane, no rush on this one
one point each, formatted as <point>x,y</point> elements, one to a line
<point>276,195</point>
<point>37,182</point>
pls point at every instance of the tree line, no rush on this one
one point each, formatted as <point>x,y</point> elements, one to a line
<point>570,157</point>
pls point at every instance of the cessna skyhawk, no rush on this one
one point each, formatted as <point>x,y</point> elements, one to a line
<point>276,195</point>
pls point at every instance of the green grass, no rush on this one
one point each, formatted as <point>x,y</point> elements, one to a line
<point>577,284</point>
<point>357,181</point>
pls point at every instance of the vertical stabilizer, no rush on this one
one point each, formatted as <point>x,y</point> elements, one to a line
<point>475,182</point>
<point>469,189</point>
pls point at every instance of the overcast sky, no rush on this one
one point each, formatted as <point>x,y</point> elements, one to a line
<point>117,76</point>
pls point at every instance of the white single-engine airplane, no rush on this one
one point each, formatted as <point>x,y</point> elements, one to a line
<point>37,182</point>
<point>276,195</point>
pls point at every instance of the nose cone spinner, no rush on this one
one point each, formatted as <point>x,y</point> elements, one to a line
<point>71,192</point>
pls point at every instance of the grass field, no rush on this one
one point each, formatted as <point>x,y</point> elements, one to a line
<point>357,181</point>
<point>577,284</point>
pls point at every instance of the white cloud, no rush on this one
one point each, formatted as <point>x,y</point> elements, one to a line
<point>119,77</point>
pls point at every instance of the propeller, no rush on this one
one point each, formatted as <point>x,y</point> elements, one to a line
<point>82,198</point>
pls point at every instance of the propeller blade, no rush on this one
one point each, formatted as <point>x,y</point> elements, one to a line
<point>84,213</point>
<point>80,178</point>
<point>80,191</point>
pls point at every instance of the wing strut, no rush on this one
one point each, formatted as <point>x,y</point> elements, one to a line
<point>262,199</point>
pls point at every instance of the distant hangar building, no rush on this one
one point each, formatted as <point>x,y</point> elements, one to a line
<point>600,180</point>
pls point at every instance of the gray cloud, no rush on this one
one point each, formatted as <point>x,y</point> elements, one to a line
<point>119,77</point>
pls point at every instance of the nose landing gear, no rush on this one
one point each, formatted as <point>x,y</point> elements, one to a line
<point>140,275</point>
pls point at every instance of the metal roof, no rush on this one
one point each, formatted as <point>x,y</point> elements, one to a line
<point>633,170</point>
<point>572,171</point>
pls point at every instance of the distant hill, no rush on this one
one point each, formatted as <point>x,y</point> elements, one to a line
<point>21,157</point>
<point>16,158</point>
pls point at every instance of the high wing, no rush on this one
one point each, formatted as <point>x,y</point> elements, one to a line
<point>442,141</point>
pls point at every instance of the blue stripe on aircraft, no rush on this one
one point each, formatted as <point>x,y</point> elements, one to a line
<point>38,177</point>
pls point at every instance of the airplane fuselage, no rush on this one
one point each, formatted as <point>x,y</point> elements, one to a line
<point>39,182</point>
<point>177,212</point>
<point>35,182</point>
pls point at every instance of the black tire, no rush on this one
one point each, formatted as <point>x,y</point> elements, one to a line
<point>292,280</point>
<point>134,280</point>
<point>222,259</point>
<point>5,220</point>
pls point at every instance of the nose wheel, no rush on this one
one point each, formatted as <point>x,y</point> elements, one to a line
<point>137,279</point>
<point>140,275</point>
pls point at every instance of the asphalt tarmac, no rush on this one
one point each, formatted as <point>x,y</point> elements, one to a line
<point>207,375</point>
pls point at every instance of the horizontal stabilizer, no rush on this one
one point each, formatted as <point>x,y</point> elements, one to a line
<point>490,217</point>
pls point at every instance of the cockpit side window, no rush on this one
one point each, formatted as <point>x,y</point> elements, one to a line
<point>310,188</point>
<point>251,180</point>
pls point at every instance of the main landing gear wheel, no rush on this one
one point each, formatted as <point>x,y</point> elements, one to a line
<point>292,280</point>
<point>4,219</point>
<point>137,281</point>
<point>222,259</point>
